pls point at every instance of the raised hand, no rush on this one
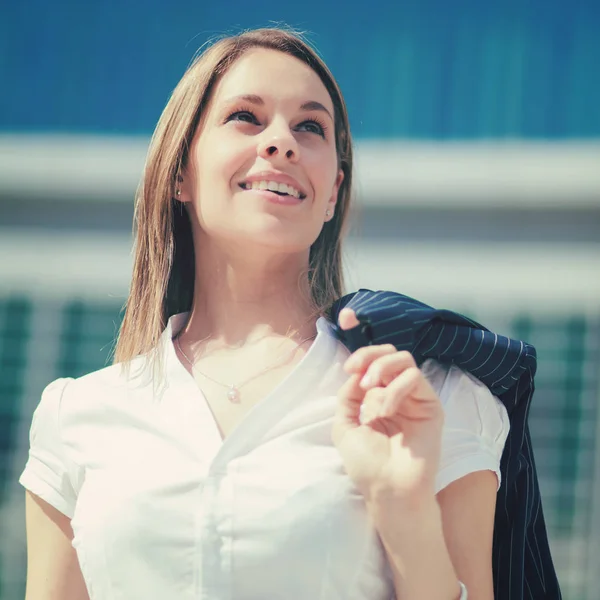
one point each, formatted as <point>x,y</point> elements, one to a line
<point>388,423</point>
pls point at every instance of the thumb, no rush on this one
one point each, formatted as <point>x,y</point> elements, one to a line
<point>347,319</point>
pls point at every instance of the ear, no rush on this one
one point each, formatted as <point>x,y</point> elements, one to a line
<point>182,187</point>
<point>334,193</point>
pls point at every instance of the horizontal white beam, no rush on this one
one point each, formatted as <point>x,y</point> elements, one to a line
<point>71,167</point>
<point>490,278</point>
<point>478,174</point>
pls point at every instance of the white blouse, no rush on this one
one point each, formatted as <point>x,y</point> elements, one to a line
<point>163,508</point>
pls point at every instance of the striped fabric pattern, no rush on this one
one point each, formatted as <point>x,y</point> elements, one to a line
<point>522,563</point>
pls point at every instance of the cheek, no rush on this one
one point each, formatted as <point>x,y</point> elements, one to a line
<point>219,160</point>
<point>324,173</point>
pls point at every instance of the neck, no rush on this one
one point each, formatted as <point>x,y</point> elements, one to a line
<point>241,299</point>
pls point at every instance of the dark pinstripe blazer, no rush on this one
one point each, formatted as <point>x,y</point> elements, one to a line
<point>522,563</point>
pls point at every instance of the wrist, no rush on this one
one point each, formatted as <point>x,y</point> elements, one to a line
<point>413,538</point>
<point>405,516</point>
<point>412,533</point>
<point>382,493</point>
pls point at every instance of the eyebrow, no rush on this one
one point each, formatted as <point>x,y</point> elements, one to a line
<point>258,101</point>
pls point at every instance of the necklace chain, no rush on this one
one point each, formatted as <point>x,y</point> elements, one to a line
<point>233,389</point>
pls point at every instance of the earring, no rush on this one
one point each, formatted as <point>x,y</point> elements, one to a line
<point>179,180</point>
<point>327,213</point>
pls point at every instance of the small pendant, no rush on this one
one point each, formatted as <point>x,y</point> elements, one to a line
<point>233,394</point>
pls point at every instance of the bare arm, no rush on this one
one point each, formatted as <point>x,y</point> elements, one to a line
<point>431,545</point>
<point>468,507</point>
<point>53,571</point>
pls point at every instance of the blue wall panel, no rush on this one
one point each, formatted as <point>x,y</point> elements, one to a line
<point>433,69</point>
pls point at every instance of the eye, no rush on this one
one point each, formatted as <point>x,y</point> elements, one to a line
<point>313,126</point>
<point>243,116</point>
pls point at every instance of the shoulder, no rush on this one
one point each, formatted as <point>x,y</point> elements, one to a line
<point>469,405</point>
<point>109,383</point>
<point>69,420</point>
<point>116,376</point>
<point>450,381</point>
<point>448,378</point>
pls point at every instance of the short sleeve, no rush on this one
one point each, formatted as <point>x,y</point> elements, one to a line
<point>47,472</point>
<point>476,424</point>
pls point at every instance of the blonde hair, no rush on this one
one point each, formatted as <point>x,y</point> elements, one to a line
<point>164,252</point>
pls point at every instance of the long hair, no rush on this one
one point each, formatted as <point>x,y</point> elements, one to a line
<point>164,270</point>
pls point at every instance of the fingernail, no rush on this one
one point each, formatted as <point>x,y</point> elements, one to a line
<point>366,381</point>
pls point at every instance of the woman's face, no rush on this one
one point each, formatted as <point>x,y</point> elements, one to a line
<point>263,168</point>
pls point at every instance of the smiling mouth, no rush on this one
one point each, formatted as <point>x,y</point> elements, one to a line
<point>281,189</point>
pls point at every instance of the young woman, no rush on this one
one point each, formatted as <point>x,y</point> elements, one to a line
<point>237,449</point>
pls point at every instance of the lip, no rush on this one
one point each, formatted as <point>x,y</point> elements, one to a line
<point>276,198</point>
<point>278,178</point>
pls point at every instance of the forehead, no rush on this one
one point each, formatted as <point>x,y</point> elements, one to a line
<point>275,75</point>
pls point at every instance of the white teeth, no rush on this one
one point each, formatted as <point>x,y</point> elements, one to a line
<point>273,186</point>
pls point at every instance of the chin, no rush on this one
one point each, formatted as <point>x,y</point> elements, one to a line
<point>279,237</point>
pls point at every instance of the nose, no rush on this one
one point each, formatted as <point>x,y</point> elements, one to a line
<point>279,144</point>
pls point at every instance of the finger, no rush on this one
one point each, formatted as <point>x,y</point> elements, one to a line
<point>371,405</point>
<point>386,368</point>
<point>347,319</point>
<point>350,397</point>
<point>410,395</point>
<point>360,359</point>
<point>355,406</point>
<point>347,413</point>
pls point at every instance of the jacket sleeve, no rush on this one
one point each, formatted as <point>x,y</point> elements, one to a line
<point>48,469</point>
<point>476,424</point>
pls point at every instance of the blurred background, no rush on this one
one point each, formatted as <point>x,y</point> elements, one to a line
<point>477,129</point>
